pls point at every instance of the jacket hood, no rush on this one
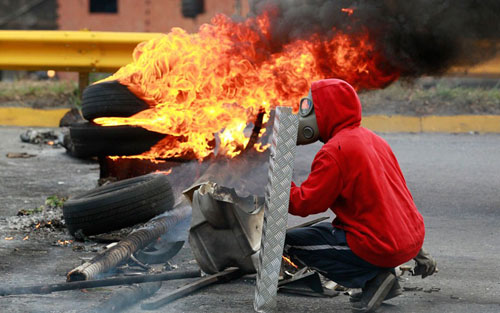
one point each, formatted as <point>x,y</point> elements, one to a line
<point>336,105</point>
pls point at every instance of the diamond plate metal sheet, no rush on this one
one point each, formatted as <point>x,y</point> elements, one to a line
<point>282,155</point>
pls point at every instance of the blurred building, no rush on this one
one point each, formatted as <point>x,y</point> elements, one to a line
<point>28,14</point>
<point>143,15</point>
<point>111,15</point>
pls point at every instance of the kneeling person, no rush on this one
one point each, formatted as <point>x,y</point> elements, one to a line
<point>356,175</point>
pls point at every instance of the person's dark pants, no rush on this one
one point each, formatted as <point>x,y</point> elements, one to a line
<point>324,249</point>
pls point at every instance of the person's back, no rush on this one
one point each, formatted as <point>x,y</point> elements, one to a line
<point>375,207</point>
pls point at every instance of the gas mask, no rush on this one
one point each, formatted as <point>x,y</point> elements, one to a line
<point>308,126</point>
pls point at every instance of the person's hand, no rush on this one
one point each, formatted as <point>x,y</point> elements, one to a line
<point>425,264</point>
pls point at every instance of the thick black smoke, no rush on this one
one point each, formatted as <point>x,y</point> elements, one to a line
<point>417,36</point>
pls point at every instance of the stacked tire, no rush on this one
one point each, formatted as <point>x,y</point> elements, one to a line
<point>127,202</point>
<point>109,99</point>
<point>89,140</point>
<point>117,205</point>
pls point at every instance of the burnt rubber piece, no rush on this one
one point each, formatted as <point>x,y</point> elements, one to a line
<point>108,99</point>
<point>88,140</point>
<point>71,117</point>
<point>118,205</point>
<point>157,253</point>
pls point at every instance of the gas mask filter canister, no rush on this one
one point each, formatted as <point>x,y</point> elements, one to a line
<point>308,131</point>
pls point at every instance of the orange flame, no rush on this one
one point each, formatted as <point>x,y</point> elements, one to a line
<point>9,238</point>
<point>349,11</point>
<point>287,260</point>
<point>117,158</point>
<point>64,242</point>
<point>205,88</point>
<point>168,172</point>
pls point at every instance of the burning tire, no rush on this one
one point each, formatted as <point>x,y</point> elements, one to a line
<point>118,205</point>
<point>108,99</point>
<point>88,140</point>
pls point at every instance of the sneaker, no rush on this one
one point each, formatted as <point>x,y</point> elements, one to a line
<point>395,291</point>
<point>374,293</point>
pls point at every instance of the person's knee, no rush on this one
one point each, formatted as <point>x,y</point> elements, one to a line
<point>291,237</point>
<point>288,242</point>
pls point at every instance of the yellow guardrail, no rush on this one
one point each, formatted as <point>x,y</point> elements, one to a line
<point>75,51</point>
<point>488,68</point>
<point>89,51</point>
<point>71,51</point>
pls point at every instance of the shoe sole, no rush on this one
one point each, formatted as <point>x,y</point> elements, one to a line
<point>394,295</point>
<point>389,296</point>
<point>379,295</point>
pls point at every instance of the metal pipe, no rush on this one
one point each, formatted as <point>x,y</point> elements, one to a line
<point>122,251</point>
<point>44,289</point>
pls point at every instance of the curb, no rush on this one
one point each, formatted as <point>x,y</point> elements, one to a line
<point>433,123</point>
<point>27,117</point>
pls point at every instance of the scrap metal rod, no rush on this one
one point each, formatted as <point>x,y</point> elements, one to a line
<point>309,223</point>
<point>224,276</point>
<point>256,129</point>
<point>44,289</point>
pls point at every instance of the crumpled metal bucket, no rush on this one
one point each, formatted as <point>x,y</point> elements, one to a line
<point>226,229</point>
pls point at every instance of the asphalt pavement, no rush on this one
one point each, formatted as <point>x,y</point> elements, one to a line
<point>454,179</point>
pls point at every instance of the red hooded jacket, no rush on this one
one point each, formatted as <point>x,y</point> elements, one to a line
<point>357,176</point>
